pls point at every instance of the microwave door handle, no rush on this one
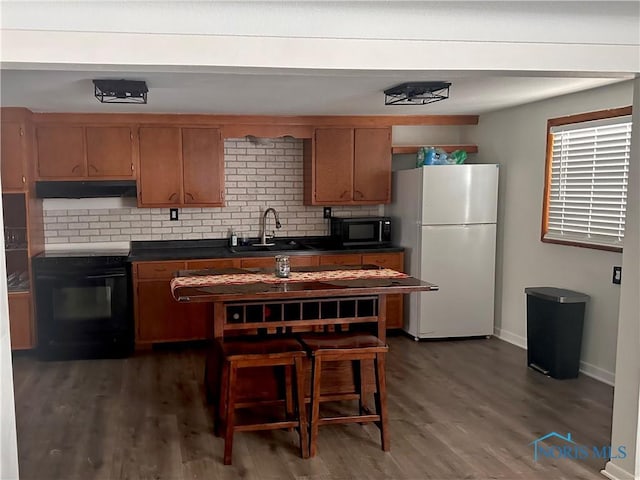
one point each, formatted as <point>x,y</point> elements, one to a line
<point>380,232</point>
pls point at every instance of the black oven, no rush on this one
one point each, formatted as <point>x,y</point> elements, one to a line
<point>83,305</point>
<point>361,231</point>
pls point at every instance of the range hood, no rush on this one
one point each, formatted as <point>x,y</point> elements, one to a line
<point>86,189</point>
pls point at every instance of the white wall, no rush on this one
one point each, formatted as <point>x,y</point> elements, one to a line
<point>516,138</point>
<point>624,429</point>
<point>8,446</point>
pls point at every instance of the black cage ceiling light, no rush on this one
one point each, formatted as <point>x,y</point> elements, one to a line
<point>416,93</point>
<point>121,91</point>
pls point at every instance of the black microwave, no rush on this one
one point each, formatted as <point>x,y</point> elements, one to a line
<point>360,231</point>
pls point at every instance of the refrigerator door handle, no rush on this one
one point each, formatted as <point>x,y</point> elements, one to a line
<point>380,232</point>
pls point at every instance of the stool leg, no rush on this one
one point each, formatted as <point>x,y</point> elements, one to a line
<point>381,401</point>
<point>230,413</point>
<point>222,400</point>
<point>288,393</point>
<point>358,381</point>
<point>315,403</point>
<point>302,410</point>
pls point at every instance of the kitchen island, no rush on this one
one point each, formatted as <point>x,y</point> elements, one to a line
<point>321,298</point>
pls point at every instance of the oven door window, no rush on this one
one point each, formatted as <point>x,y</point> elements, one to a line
<point>82,303</point>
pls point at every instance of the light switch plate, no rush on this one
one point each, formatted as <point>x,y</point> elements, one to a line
<point>173,214</point>
<point>617,275</point>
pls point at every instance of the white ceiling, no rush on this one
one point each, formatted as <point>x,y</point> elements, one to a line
<point>312,57</point>
<point>283,92</point>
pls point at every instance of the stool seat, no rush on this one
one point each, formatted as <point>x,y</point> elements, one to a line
<point>263,346</point>
<point>350,341</point>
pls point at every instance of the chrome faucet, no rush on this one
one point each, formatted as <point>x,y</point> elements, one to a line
<point>263,228</point>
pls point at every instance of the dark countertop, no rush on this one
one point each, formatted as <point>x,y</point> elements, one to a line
<point>200,249</point>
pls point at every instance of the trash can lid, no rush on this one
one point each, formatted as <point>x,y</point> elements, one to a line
<point>559,295</point>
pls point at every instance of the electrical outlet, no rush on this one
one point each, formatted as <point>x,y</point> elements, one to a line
<point>617,275</point>
<point>173,214</point>
<point>327,212</point>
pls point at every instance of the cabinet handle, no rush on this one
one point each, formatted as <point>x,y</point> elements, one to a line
<point>192,197</point>
<point>132,167</point>
<point>344,193</point>
<point>360,193</point>
<point>74,168</point>
<point>24,179</point>
<point>92,166</point>
<point>172,196</point>
<point>21,132</point>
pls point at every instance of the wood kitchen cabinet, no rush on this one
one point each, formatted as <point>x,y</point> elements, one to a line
<point>181,167</point>
<point>203,166</point>
<point>348,166</point>
<point>77,152</point>
<point>110,152</point>
<point>20,321</point>
<point>13,156</point>
<point>159,317</point>
<point>16,139</point>
<point>160,176</point>
<point>162,319</point>
<point>24,238</point>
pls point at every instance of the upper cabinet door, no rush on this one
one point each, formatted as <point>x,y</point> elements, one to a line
<point>333,166</point>
<point>109,152</point>
<point>60,152</point>
<point>203,166</point>
<point>13,156</point>
<point>372,165</point>
<point>160,178</point>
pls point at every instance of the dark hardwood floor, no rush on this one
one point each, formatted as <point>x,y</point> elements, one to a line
<point>458,409</point>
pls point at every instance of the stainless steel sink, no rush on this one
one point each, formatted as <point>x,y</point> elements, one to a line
<point>280,246</point>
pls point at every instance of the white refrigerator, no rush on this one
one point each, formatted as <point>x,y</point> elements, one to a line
<point>445,218</point>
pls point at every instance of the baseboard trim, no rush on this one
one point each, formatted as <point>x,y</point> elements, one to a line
<point>512,338</point>
<point>587,369</point>
<point>614,472</point>
<point>598,373</point>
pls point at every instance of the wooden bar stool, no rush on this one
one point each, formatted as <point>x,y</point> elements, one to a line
<point>354,347</point>
<point>261,352</point>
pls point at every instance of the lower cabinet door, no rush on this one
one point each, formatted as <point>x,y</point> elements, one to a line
<point>395,311</point>
<point>162,319</point>
<point>20,326</point>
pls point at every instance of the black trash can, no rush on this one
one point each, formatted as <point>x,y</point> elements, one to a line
<point>555,318</point>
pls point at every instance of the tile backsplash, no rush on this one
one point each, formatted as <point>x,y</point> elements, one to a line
<point>257,176</point>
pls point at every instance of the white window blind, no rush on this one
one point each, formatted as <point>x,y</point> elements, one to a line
<point>589,177</point>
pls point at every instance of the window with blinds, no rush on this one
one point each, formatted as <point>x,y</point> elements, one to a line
<point>587,175</point>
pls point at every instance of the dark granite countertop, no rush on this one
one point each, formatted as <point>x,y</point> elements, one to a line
<point>199,249</point>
